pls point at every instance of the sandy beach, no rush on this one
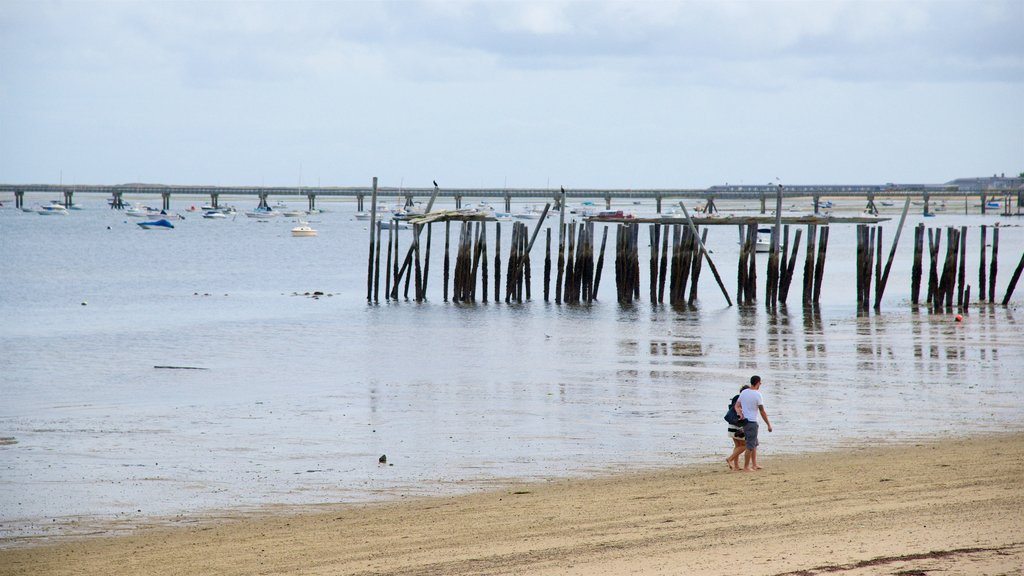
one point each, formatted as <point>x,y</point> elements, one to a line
<point>946,507</point>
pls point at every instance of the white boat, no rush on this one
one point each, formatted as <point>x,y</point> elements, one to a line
<point>303,231</point>
<point>396,224</point>
<point>294,213</point>
<point>52,209</point>
<point>262,213</point>
<point>214,214</point>
<point>764,240</point>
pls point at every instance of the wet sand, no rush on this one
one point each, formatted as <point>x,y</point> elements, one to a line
<point>951,506</point>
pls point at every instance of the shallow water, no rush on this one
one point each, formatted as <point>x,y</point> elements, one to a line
<point>300,396</point>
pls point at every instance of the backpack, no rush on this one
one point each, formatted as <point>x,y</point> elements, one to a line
<point>730,415</point>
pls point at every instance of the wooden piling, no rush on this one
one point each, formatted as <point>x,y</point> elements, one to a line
<point>934,241</point>
<point>808,293</point>
<point>369,265</point>
<point>993,268</point>
<point>376,266</point>
<point>561,256</point>
<point>416,257</point>
<point>600,261</point>
<point>1013,280</point>
<point>962,273</point>
<point>426,261</point>
<point>787,279</point>
<point>483,261</point>
<point>751,263</point>
<point>570,266</point>
<point>497,261</point>
<point>547,265</point>
<point>819,268</point>
<point>447,235</point>
<point>892,253</point>
<point>655,233</point>
<point>663,267</point>
<point>915,271</point>
<point>696,267</point>
<point>387,268</point>
<point>394,263</point>
<point>981,266</point>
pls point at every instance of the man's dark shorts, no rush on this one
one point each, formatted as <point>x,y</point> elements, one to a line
<point>750,434</point>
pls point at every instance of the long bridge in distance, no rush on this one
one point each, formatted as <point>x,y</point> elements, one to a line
<point>996,188</point>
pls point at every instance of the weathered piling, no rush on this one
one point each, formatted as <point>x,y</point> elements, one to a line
<point>982,286</point>
<point>962,273</point>
<point>698,261</point>
<point>561,256</point>
<point>426,261</point>
<point>497,262</point>
<point>447,235</point>
<point>706,254</point>
<point>547,265</point>
<point>600,261</point>
<point>787,279</point>
<point>655,233</point>
<point>862,241</point>
<point>416,257</point>
<point>483,261</point>
<point>570,266</point>
<point>915,271</point>
<point>477,257</point>
<point>808,293</point>
<point>394,263</point>
<point>369,265</point>
<point>663,266</point>
<point>1013,280</point>
<point>387,268</point>
<point>993,268</point>
<point>884,278</point>
<point>376,265</point>
<point>934,241</point>
<point>947,280</point>
<point>819,267</point>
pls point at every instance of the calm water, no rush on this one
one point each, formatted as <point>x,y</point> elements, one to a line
<point>300,396</point>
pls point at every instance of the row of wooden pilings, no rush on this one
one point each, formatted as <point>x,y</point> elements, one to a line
<point>941,286</point>
<point>676,263</point>
<point>577,267</point>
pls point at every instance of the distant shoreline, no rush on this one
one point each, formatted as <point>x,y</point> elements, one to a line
<point>942,505</point>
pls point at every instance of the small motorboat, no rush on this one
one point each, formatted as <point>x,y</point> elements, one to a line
<point>161,224</point>
<point>214,214</point>
<point>303,231</point>
<point>52,209</point>
<point>294,213</point>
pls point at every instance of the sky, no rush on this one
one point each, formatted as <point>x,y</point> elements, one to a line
<point>517,94</point>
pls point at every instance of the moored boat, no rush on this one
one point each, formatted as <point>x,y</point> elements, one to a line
<point>161,224</point>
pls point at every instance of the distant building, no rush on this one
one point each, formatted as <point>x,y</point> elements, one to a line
<point>988,183</point>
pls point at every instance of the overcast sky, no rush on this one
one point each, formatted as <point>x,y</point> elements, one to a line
<point>518,94</point>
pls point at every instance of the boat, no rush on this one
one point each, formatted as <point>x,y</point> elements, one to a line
<point>214,214</point>
<point>262,213</point>
<point>764,240</point>
<point>161,224</point>
<point>294,213</point>
<point>929,215</point>
<point>394,224</point>
<point>52,209</point>
<point>303,231</point>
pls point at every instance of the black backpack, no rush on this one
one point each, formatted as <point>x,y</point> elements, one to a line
<point>730,415</point>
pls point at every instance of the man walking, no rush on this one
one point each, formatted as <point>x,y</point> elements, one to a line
<point>752,404</point>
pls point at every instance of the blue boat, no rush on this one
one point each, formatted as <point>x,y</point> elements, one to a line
<point>156,225</point>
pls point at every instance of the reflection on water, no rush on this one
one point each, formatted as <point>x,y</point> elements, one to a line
<point>302,396</point>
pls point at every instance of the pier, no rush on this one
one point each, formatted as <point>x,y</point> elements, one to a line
<point>1003,195</point>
